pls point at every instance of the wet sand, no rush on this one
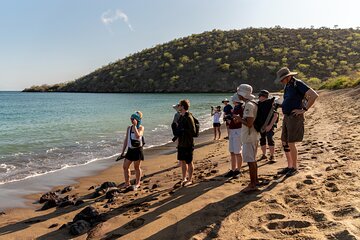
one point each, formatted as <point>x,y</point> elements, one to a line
<point>321,202</point>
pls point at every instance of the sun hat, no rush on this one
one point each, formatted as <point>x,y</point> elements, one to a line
<point>264,93</point>
<point>283,73</point>
<point>225,100</point>
<point>245,90</point>
<point>235,98</point>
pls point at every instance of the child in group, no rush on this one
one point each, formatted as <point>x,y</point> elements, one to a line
<point>216,113</point>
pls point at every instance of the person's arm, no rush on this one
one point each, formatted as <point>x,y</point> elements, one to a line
<point>248,121</point>
<point>310,96</point>
<point>212,111</point>
<point>138,131</point>
<point>272,122</point>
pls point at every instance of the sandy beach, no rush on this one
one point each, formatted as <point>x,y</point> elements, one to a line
<point>321,202</point>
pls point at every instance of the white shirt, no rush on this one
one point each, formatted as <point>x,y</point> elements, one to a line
<point>249,135</point>
<point>217,116</point>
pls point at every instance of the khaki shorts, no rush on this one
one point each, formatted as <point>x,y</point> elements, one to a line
<point>249,151</point>
<point>293,128</point>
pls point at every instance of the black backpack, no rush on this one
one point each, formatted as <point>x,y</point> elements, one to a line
<point>197,126</point>
<point>264,114</point>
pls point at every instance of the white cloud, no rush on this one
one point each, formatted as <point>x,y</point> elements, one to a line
<point>109,17</point>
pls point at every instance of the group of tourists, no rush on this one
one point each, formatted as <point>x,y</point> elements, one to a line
<point>248,122</point>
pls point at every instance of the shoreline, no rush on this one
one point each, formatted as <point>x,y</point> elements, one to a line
<point>17,194</point>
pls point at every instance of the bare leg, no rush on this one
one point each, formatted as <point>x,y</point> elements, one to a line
<point>219,131</point>
<point>191,170</point>
<point>184,170</point>
<point>288,156</point>
<point>238,161</point>
<point>263,149</point>
<point>137,172</point>
<point>272,150</point>
<point>126,166</point>
<point>294,155</point>
<point>214,133</point>
<point>233,161</point>
<point>253,174</point>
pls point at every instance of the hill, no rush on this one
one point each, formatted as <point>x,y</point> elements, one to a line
<point>218,61</point>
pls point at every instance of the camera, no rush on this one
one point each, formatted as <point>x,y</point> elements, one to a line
<point>228,117</point>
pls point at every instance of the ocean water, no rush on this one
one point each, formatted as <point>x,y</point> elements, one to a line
<point>46,132</point>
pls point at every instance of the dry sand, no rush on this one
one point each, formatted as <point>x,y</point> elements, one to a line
<point>321,202</point>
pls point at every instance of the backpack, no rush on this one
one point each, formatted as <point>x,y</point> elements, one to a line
<point>264,114</point>
<point>197,126</point>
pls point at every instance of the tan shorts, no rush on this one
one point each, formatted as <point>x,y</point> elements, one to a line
<point>292,128</point>
<point>249,151</point>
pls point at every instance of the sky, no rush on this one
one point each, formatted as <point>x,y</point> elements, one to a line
<point>53,41</point>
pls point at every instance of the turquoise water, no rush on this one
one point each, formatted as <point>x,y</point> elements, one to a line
<point>45,132</point>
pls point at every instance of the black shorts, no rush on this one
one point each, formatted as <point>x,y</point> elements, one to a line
<point>134,154</point>
<point>269,136</point>
<point>185,154</point>
<point>216,124</point>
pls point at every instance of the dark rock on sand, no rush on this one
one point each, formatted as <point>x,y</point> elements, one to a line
<point>106,185</point>
<point>79,202</point>
<point>89,214</point>
<point>50,204</point>
<point>79,227</point>
<point>112,193</point>
<point>48,196</point>
<point>66,203</point>
<point>67,189</point>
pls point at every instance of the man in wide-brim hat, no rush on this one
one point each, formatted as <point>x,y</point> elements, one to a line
<point>298,98</point>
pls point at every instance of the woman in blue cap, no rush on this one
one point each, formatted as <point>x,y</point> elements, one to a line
<point>134,144</point>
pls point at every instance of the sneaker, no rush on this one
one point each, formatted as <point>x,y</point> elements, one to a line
<point>229,174</point>
<point>236,172</point>
<point>291,172</point>
<point>284,170</point>
<point>263,157</point>
<point>272,159</point>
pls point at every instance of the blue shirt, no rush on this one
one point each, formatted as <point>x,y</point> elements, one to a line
<point>227,109</point>
<point>294,92</point>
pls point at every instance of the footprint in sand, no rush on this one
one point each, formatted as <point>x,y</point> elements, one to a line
<point>315,214</point>
<point>271,216</point>
<point>346,211</point>
<point>309,181</point>
<point>331,187</point>
<point>341,236</point>
<point>288,224</point>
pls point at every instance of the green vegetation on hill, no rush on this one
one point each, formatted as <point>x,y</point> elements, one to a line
<point>218,61</point>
